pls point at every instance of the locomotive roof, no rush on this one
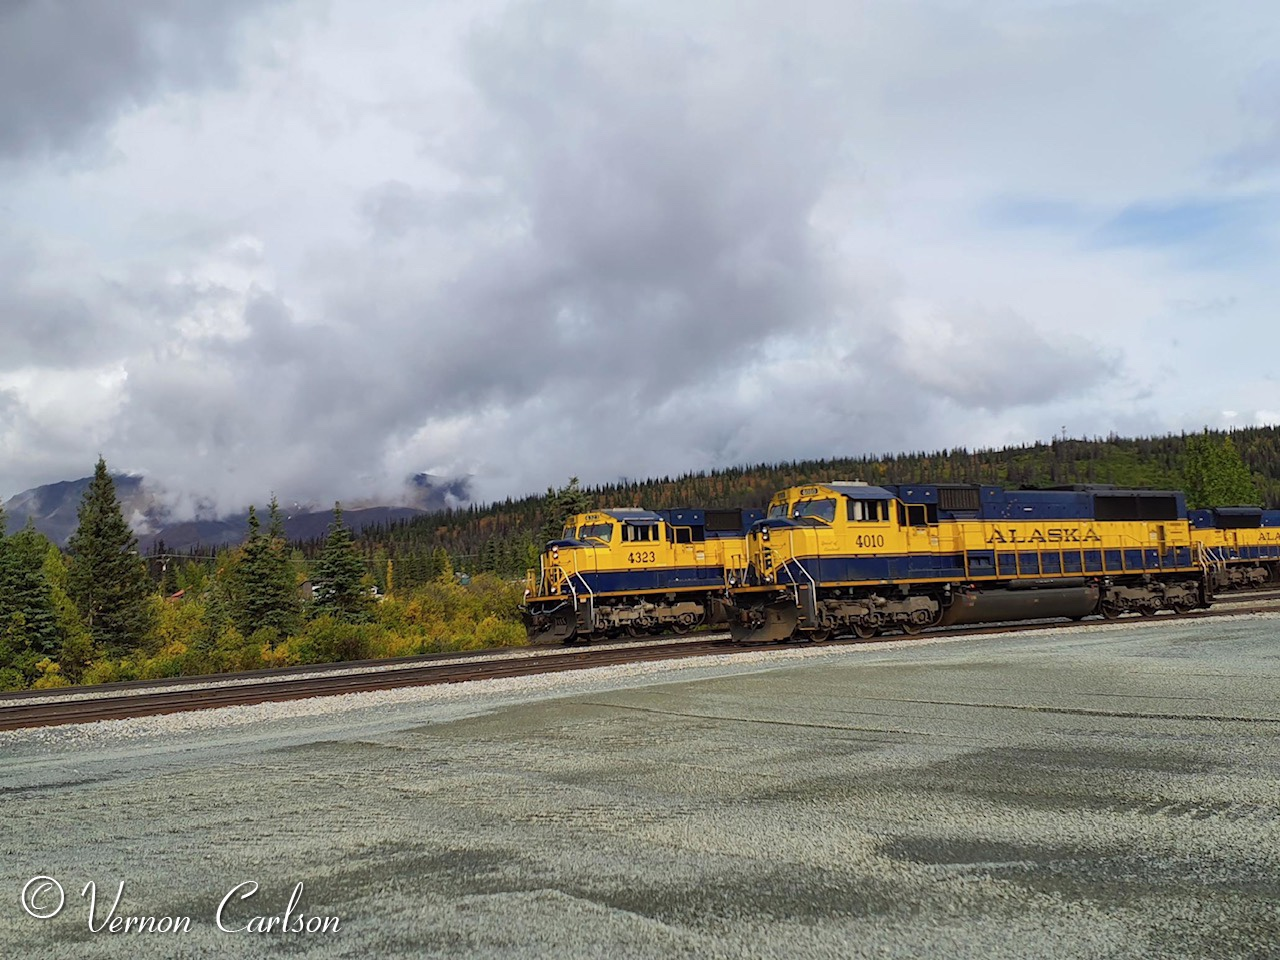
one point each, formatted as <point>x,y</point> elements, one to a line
<point>859,491</point>
<point>633,515</point>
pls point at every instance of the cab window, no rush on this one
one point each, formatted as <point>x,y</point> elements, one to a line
<point>816,509</point>
<point>778,510</point>
<point>596,531</point>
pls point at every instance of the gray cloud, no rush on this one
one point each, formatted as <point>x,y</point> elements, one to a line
<point>69,67</point>
<point>995,361</point>
<point>41,321</point>
<point>1259,153</point>
<point>596,239</point>
<point>627,254</point>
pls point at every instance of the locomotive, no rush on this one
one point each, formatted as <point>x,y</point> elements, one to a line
<point>853,558</point>
<point>633,572</point>
<point>1241,545</point>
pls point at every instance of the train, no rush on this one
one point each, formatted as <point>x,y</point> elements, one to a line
<point>631,572</point>
<point>849,558</point>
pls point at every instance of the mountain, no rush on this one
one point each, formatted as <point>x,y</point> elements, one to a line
<point>52,508</point>
<point>306,525</point>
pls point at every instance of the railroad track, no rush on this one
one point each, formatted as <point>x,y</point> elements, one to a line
<point>112,702</point>
<point>202,693</point>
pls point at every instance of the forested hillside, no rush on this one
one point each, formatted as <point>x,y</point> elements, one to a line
<point>504,537</point>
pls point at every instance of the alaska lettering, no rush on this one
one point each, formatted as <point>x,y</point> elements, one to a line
<point>1044,535</point>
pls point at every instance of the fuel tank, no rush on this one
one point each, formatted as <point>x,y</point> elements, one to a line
<point>1023,601</point>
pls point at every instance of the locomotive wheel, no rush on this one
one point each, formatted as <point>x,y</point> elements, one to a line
<point>819,636</point>
<point>910,627</point>
<point>864,631</point>
<point>681,626</point>
<point>1181,607</point>
<point>1109,611</point>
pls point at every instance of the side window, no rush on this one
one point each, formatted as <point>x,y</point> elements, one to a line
<point>916,514</point>
<point>868,511</point>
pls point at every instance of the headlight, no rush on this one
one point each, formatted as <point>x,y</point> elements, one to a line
<point>768,578</point>
<point>555,553</point>
<point>764,534</point>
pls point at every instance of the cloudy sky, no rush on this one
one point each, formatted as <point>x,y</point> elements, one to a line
<point>317,246</point>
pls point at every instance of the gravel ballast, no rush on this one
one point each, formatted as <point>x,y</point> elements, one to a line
<point>1100,791</point>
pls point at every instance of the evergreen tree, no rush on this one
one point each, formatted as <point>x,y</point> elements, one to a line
<point>562,504</point>
<point>261,580</point>
<point>280,582</point>
<point>248,595</point>
<point>1216,475</point>
<point>12,677</point>
<point>77,646</point>
<point>107,577</point>
<point>27,614</point>
<point>339,574</point>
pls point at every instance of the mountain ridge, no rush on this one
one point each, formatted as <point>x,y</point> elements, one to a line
<point>53,509</point>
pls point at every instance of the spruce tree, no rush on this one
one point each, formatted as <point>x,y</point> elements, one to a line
<point>263,594</point>
<point>339,573</point>
<point>568,501</point>
<point>281,584</point>
<point>11,677</point>
<point>27,612</point>
<point>108,578</point>
<point>248,594</point>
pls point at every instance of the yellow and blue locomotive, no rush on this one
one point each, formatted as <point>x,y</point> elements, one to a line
<point>852,558</point>
<point>1240,544</point>
<point>632,571</point>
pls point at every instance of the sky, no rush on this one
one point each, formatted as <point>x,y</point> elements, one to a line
<point>315,247</point>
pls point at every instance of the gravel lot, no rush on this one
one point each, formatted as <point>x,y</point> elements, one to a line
<point>1099,791</point>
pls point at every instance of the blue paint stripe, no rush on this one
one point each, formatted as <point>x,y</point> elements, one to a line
<point>984,564</point>
<point>652,578</point>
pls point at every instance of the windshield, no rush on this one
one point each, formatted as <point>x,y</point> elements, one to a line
<point>778,510</point>
<point>596,531</point>
<point>818,509</point>
<point>567,533</point>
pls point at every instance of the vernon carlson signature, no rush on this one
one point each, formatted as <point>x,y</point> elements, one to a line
<point>43,898</point>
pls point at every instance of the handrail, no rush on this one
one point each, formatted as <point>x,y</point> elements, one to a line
<point>813,584</point>
<point>790,560</point>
